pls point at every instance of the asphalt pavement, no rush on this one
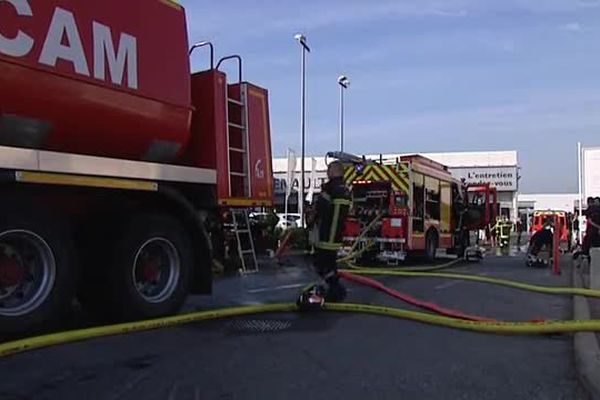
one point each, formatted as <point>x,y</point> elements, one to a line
<point>321,355</point>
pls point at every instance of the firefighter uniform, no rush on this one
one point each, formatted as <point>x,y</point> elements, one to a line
<point>332,209</point>
<point>502,232</point>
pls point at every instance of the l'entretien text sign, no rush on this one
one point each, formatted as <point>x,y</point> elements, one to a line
<point>503,178</point>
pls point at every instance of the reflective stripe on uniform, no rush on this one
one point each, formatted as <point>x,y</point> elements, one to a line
<point>342,202</point>
<point>334,221</point>
<point>328,246</point>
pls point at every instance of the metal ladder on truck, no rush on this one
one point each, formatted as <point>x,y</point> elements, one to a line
<point>238,159</point>
<point>238,165</point>
<point>245,242</point>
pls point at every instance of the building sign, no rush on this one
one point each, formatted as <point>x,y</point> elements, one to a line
<point>591,173</point>
<point>280,181</point>
<point>503,178</point>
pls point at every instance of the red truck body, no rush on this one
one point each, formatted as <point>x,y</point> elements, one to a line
<point>114,153</point>
<point>60,73</point>
<point>76,77</point>
<point>420,207</point>
<point>221,150</point>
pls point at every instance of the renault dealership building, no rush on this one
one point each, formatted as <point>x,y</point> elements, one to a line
<point>499,168</point>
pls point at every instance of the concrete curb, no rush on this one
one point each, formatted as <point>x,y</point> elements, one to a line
<point>587,350</point>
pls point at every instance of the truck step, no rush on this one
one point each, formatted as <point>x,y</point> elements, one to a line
<point>234,101</point>
<point>238,126</point>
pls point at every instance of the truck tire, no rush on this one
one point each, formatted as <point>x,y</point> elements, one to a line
<point>431,245</point>
<point>37,269</point>
<point>147,271</point>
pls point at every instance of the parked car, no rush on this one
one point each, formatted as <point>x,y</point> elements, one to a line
<point>257,217</point>
<point>287,221</point>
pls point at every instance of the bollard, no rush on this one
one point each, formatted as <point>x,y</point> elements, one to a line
<point>595,268</point>
<point>556,246</point>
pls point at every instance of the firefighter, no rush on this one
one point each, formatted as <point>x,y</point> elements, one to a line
<point>592,230</point>
<point>539,240</point>
<point>492,234</point>
<point>519,228</point>
<point>329,215</point>
<point>501,232</point>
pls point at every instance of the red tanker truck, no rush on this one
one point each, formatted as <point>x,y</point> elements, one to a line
<point>116,161</point>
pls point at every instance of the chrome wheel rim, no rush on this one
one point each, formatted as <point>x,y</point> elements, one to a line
<point>27,272</point>
<point>156,270</point>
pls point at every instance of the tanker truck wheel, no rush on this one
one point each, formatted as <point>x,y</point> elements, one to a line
<point>147,272</point>
<point>37,276</point>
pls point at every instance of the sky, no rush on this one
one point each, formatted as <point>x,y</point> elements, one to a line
<point>426,76</point>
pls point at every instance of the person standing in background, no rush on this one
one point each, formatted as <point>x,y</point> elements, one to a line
<point>519,227</point>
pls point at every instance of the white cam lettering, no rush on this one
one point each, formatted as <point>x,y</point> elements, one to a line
<point>22,43</point>
<point>63,23</point>
<point>64,26</point>
<point>104,52</point>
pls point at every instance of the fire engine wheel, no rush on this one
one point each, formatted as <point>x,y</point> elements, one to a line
<point>431,245</point>
<point>37,282</point>
<point>148,272</point>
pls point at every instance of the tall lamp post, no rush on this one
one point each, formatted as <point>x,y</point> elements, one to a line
<point>344,82</point>
<point>304,45</point>
<point>580,183</point>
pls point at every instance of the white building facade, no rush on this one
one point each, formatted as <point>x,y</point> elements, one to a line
<point>556,202</point>
<point>499,168</point>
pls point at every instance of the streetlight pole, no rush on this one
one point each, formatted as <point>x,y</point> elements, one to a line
<point>580,183</point>
<point>302,40</point>
<point>344,82</point>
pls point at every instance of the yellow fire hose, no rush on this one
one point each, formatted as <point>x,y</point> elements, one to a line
<point>516,328</point>
<point>483,279</point>
<point>353,253</point>
<point>52,339</point>
<point>415,269</point>
<point>513,328</point>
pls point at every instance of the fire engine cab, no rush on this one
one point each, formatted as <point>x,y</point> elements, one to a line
<point>418,205</point>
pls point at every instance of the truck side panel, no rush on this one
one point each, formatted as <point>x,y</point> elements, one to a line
<point>86,77</point>
<point>260,145</point>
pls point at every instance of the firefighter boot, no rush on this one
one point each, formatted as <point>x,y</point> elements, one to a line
<point>336,292</point>
<point>312,297</point>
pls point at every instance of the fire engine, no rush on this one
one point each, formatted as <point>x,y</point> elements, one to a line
<point>116,161</point>
<point>419,205</point>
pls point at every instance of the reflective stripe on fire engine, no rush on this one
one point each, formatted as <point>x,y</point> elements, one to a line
<point>397,175</point>
<point>82,180</point>
<point>244,202</point>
